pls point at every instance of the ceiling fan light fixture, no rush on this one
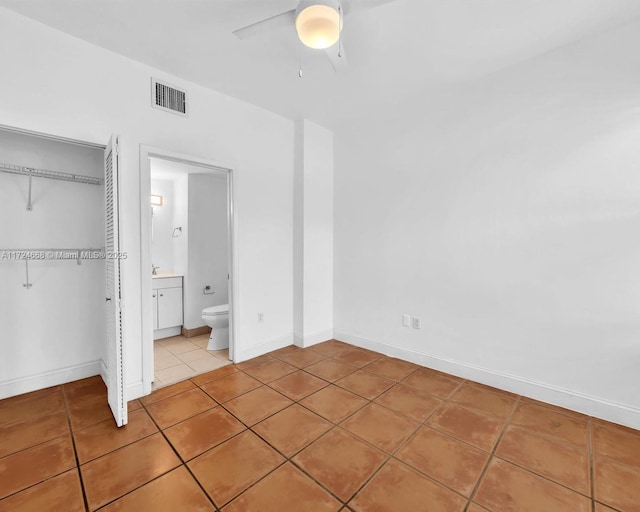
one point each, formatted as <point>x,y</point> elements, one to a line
<point>319,25</point>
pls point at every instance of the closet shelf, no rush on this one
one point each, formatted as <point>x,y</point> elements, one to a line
<point>44,173</point>
<point>31,173</point>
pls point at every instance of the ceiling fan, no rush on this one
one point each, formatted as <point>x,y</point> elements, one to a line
<point>318,24</point>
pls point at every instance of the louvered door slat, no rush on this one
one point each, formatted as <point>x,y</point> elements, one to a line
<point>114,351</point>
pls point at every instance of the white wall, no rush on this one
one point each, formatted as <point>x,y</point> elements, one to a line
<point>313,240</point>
<point>505,214</point>
<point>208,247</point>
<point>64,86</point>
<point>162,243</point>
<point>181,218</point>
<point>57,327</point>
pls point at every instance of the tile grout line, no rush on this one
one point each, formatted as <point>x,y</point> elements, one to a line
<point>75,450</point>
<point>33,445</point>
<point>313,479</point>
<point>544,477</point>
<point>535,472</point>
<point>267,384</point>
<point>183,462</point>
<point>161,431</point>
<point>491,453</point>
<point>507,422</point>
<point>323,378</point>
<point>369,401</point>
<point>70,434</point>
<point>389,455</point>
<point>256,482</point>
<point>197,386</point>
<point>277,449</point>
<point>116,449</point>
<point>423,424</point>
<point>181,362</point>
<point>528,470</point>
<point>591,473</point>
<point>327,419</point>
<point>247,427</point>
<point>296,465</point>
<point>334,425</point>
<point>286,458</point>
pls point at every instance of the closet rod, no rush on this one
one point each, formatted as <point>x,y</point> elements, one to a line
<point>44,173</point>
<point>28,255</point>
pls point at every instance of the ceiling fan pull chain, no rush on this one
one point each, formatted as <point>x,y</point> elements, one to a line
<point>340,30</point>
<point>299,61</point>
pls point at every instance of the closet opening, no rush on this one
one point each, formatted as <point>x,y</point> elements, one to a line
<point>59,264</point>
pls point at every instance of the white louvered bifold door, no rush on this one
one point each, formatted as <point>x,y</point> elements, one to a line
<point>114,360</point>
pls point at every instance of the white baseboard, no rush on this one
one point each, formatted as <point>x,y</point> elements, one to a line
<point>47,379</point>
<point>167,333</point>
<point>580,402</point>
<point>313,338</point>
<point>103,371</point>
<point>263,348</point>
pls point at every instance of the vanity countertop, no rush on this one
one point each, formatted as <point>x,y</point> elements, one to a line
<point>164,275</point>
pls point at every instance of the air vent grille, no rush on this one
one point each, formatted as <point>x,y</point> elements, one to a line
<point>168,98</point>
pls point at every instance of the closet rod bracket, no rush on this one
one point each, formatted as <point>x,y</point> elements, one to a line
<point>29,205</point>
<point>27,285</point>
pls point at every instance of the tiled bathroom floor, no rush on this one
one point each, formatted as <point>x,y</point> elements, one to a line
<point>330,428</point>
<point>179,358</point>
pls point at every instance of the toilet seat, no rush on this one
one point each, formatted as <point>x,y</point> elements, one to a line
<point>216,310</point>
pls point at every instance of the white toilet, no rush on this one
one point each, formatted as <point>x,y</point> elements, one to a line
<point>217,317</point>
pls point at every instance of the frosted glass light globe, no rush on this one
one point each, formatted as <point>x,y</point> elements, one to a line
<point>318,26</point>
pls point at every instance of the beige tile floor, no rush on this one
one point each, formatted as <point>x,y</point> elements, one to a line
<point>179,358</point>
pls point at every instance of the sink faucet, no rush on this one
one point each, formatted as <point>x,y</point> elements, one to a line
<point>154,270</point>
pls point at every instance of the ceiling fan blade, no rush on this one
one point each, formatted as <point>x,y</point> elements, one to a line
<point>286,19</point>
<point>338,58</point>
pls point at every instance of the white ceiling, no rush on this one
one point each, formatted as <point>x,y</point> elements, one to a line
<point>399,50</point>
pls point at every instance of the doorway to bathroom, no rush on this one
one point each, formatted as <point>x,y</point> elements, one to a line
<point>187,266</point>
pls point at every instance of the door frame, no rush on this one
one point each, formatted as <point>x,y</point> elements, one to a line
<point>147,152</point>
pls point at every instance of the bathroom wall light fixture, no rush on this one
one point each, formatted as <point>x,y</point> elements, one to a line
<point>156,200</point>
<point>318,23</point>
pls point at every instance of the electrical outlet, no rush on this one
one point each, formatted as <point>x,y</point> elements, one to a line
<point>416,322</point>
<point>260,318</point>
<point>406,320</point>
